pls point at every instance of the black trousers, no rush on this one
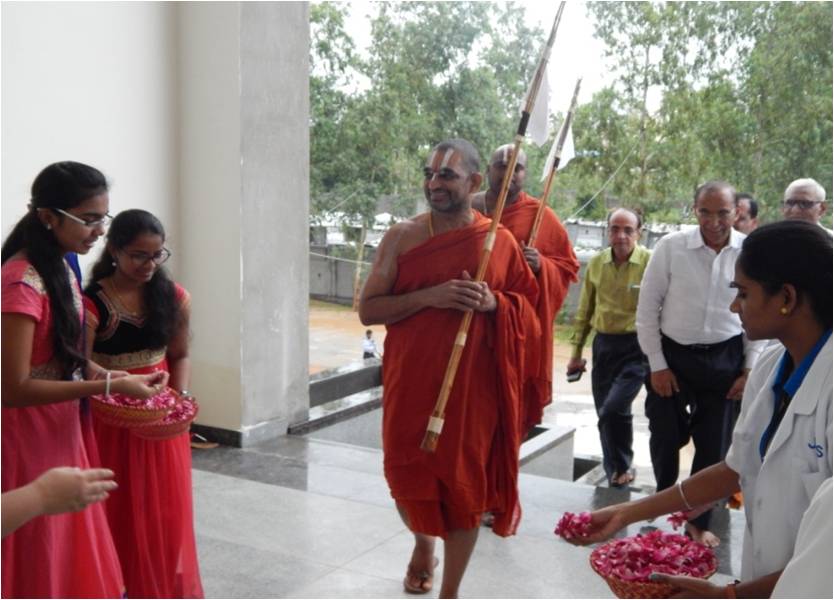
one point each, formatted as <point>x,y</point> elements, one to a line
<point>619,370</point>
<point>705,374</point>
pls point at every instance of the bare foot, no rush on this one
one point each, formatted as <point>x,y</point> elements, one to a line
<point>419,576</point>
<point>705,536</point>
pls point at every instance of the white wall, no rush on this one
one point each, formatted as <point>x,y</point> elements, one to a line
<point>210,190</point>
<point>94,83</point>
<point>212,139</point>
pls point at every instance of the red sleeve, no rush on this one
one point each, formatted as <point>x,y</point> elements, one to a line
<point>182,295</point>
<point>22,290</point>
<point>91,311</point>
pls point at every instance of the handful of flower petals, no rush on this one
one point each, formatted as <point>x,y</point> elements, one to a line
<point>677,519</point>
<point>572,525</point>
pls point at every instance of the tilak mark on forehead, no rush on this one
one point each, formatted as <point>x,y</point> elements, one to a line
<point>448,155</point>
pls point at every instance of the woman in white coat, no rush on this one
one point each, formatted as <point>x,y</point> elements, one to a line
<point>808,574</point>
<point>781,449</point>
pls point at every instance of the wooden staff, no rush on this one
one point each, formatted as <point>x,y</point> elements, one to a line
<point>560,142</point>
<point>435,425</point>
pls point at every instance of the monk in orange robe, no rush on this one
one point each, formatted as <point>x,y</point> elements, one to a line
<point>552,260</point>
<point>419,287</point>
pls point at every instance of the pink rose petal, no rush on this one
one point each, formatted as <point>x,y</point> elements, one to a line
<point>635,558</point>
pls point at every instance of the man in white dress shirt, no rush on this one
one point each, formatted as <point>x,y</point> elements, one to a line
<point>698,356</point>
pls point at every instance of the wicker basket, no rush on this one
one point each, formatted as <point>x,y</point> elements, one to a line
<point>165,429</point>
<point>639,589</point>
<point>122,415</point>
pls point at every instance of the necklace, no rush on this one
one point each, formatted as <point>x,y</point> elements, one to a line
<point>431,228</point>
<point>132,313</point>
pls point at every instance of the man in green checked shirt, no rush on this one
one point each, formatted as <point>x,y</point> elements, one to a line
<point>608,304</point>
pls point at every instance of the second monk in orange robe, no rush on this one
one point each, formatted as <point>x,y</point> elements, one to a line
<point>552,260</point>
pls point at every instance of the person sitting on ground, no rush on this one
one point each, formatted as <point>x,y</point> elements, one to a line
<point>369,345</point>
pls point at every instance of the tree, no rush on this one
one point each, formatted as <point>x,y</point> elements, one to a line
<point>745,95</point>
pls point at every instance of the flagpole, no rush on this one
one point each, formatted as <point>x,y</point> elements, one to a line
<point>559,143</point>
<point>435,425</point>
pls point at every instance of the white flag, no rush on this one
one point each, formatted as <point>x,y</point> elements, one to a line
<point>537,125</point>
<point>565,155</point>
<point>568,151</point>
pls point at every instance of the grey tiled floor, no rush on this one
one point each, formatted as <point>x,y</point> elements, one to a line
<point>302,518</point>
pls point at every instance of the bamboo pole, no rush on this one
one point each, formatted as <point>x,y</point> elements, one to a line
<point>435,425</point>
<point>357,272</point>
<point>560,143</point>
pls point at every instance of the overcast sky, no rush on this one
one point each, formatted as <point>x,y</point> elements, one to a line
<point>576,52</point>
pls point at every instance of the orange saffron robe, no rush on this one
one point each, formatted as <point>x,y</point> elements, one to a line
<point>559,268</point>
<point>475,466</point>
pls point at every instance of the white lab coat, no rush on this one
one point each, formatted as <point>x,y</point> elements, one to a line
<point>779,490</point>
<point>808,574</point>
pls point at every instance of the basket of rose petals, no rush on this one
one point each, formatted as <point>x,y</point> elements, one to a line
<point>175,423</point>
<point>627,563</point>
<point>119,410</point>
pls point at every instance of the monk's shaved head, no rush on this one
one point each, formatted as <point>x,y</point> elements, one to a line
<point>470,160</point>
<point>502,154</point>
<point>498,164</point>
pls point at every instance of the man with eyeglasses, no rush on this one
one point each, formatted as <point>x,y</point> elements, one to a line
<point>698,355</point>
<point>804,201</point>
<point>608,305</point>
<point>420,287</point>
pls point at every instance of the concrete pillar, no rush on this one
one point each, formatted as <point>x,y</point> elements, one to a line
<point>244,199</point>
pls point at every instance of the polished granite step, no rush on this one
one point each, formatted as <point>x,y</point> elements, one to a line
<point>257,540</point>
<point>346,473</point>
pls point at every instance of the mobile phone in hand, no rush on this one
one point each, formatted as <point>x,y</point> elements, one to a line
<point>575,376</point>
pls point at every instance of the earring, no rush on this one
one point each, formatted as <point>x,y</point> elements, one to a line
<point>783,311</point>
<point>112,263</point>
<point>48,226</point>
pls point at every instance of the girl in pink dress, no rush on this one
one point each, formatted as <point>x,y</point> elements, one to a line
<point>44,373</point>
<point>137,320</point>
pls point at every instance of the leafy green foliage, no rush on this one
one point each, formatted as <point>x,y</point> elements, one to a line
<point>740,91</point>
